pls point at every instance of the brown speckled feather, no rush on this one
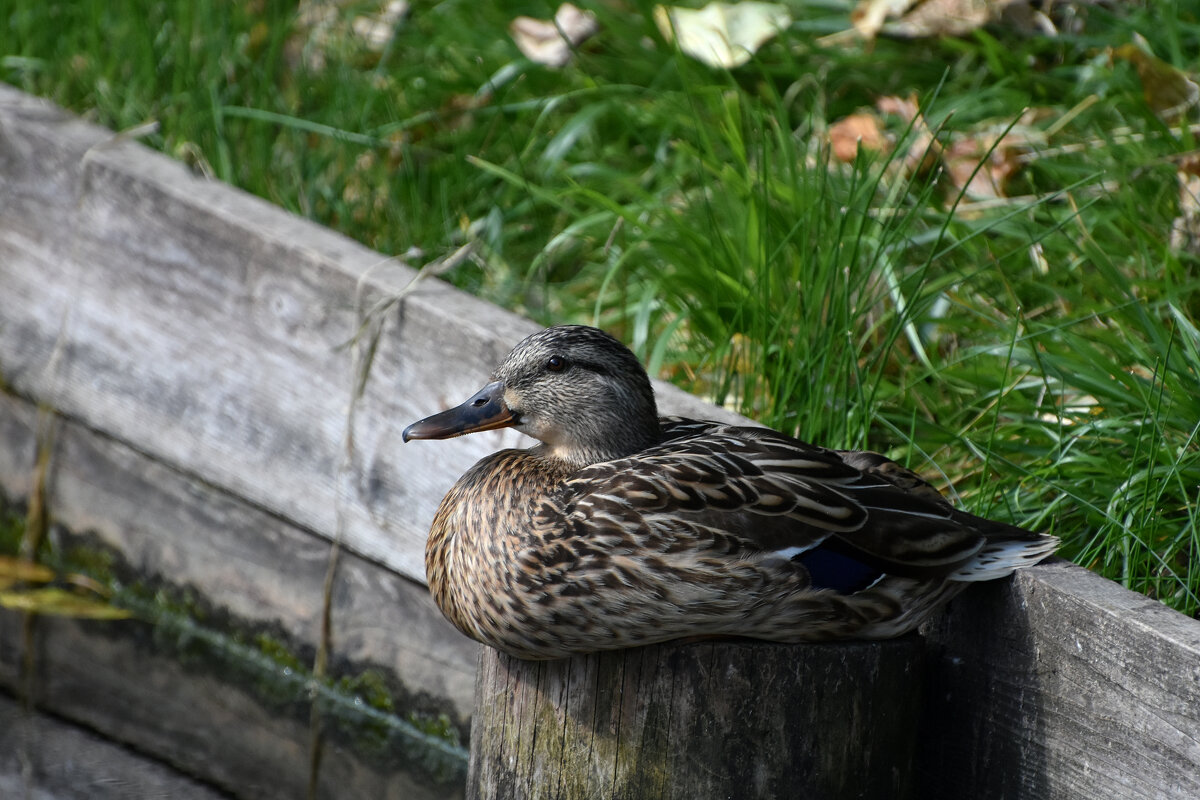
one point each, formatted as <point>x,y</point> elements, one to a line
<point>698,529</point>
<point>684,539</point>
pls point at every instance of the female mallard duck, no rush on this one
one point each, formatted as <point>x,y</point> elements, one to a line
<point>622,529</point>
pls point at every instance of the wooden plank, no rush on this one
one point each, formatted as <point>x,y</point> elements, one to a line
<point>122,679</point>
<point>258,575</point>
<point>694,721</point>
<point>252,566</point>
<point>192,339</point>
<point>206,328</point>
<point>1060,684</point>
<point>201,330</point>
<point>44,758</point>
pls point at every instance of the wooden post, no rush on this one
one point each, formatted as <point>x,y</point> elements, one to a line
<point>697,721</point>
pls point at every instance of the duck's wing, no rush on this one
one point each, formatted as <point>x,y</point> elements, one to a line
<point>729,486</point>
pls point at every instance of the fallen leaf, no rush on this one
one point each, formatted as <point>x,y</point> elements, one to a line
<point>1185,229</point>
<point>979,163</point>
<point>1169,91</point>
<point>1073,407</point>
<point>61,603</point>
<point>324,30</point>
<point>377,30</point>
<point>869,15</point>
<point>856,131</point>
<point>722,34</point>
<point>1003,149</point>
<point>924,149</point>
<point>550,42</point>
<point>19,569</point>
<point>904,107</point>
<point>914,19</point>
<point>987,180</point>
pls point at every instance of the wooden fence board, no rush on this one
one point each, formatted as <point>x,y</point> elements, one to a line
<point>119,679</point>
<point>192,338</point>
<point>1061,684</point>
<point>167,312</point>
<point>237,558</point>
<point>206,328</point>
<point>44,758</point>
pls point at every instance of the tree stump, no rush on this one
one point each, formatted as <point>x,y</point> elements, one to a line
<point>700,720</point>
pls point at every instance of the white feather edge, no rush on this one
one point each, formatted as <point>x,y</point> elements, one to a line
<point>999,559</point>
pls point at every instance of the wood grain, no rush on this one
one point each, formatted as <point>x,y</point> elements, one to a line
<point>192,338</point>
<point>693,721</point>
<point>1060,684</point>
<point>45,758</point>
<point>255,568</point>
<point>122,679</point>
<point>207,329</point>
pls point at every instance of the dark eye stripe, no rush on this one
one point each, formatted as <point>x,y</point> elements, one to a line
<point>557,363</point>
<point>599,369</point>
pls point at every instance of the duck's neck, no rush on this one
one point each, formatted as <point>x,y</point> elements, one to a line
<point>575,455</point>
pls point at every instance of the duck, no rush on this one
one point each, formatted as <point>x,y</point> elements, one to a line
<point>620,528</point>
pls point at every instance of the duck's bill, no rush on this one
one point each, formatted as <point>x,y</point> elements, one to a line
<point>484,411</point>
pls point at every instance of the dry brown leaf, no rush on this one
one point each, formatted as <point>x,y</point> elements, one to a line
<point>1006,150</point>
<point>904,107</point>
<point>913,19</point>
<point>989,180</point>
<point>1185,229</point>
<point>924,151</point>
<point>869,15</point>
<point>1002,150</point>
<point>550,42</point>
<point>1169,91</point>
<point>323,31</point>
<point>850,133</point>
<point>377,30</point>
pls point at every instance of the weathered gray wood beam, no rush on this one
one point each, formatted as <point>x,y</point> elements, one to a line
<point>702,720</point>
<point>166,699</point>
<point>45,758</point>
<point>207,328</point>
<point>172,689</point>
<point>1061,684</point>
<point>176,531</point>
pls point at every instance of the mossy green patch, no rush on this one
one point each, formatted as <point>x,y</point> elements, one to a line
<point>439,726</point>
<point>12,528</point>
<point>96,562</point>
<point>278,651</point>
<point>365,707</point>
<point>370,686</point>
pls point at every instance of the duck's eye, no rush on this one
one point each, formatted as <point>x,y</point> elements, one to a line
<point>556,363</point>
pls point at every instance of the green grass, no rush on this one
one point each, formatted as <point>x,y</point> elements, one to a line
<point>1040,353</point>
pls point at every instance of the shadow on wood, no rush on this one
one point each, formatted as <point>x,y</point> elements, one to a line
<point>699,720</point>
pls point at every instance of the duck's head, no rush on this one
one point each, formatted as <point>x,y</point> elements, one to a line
<point>577,389</point>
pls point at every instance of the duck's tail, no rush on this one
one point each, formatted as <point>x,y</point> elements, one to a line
<point>1003,554</point>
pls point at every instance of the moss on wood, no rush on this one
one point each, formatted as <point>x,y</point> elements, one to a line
<point>363,706</point>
